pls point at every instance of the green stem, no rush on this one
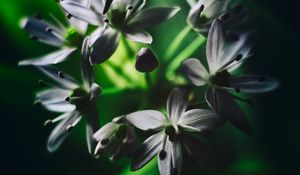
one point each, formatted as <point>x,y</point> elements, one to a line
<point>130,51</point>
<point>148,80</point>
<point>175,44</point>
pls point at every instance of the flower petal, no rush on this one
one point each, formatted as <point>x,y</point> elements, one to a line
<point>138,35</point>
<point>91,127</point>
<point>147,151</point>
<point>40,29</point>
<point>152,16</point>
<point>106,131</point>
<point>60,132</point>
<point>195,71</point>
<point>82,13</point>
<point>199,120</point>
<point>214,8</point>
<point>176,104</point>
<point>104,46</point>
<point>81,26</point>
<point>147,119</point>
<point>52,58</point>
<point>65,82</point>
<point>254,83</point>
<point>87,70</point>
<point>62,106</point>
<point>214,46</point>
<point>53,96</point>
<point>172,162</point>
<point>225,106</point>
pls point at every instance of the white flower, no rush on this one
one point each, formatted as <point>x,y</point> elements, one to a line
<point>170,132</point>
<point>203,12</point>
<point>126,17</point>
<point>73,100</point>
<point>116,138</point>
<point>66,38</point>
<point>223,58</point>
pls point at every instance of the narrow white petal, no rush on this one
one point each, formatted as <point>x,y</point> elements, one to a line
<point>227,108</point>
<point>147,119</point>
<point>199,120</point>
<point>138,35</point>
<point>195,71</point>
<point>60,107</point>
<point>53,95</point>
<point>60,132</point>
<point>254,83</point>
<point>148,150</point>
<point>106,131</point>
<point>176,104</point>
<point>214,46</point>
<point>82,13</point>
<point>52,58</point>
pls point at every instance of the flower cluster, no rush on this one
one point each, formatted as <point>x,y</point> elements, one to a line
<point>227,47</point>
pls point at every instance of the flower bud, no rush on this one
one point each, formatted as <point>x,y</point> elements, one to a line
<point>146,61</point>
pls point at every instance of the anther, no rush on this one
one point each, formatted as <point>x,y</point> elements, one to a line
<point>238,57</point>
<point>61,74</point>
<point>238,90</point>
<point>69,16</point>
<point>37,102</point>
<point>162,154</point>
<point>106,20</point>
<point>130,7</point>
<point>70,128</point>
<point>48,122</point>
<point>201,8</point>
<point>49,29</point>
<point>68,99</point>
<point>105,141</point>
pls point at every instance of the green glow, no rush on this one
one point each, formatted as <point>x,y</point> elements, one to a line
<point>252,164</point>
<point>149,169</point>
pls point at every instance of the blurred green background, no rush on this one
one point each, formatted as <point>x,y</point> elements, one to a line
<point>274,148</point>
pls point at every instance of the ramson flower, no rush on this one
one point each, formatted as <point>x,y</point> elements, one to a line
<point>170,137</point>
<point>223,58</point>
<point>73,100</point>
<point>66,38</point>
<point>115,139</point>
<point>203,12</point>
<point>124,17</point>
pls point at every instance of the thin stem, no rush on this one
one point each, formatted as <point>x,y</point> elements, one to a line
<point>148,80</point>
<point>129,50</point>
<point>175,44</point>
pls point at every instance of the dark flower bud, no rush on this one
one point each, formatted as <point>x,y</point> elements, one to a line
<point>146,61</point>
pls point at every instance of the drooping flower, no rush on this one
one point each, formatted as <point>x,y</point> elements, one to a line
<point>203,13</point>
<point>116,139</point>
<point>170,133</point>
<point>124,17</point>
<point>223,58</point>
<point>72,99</point>
<point>66,38</point>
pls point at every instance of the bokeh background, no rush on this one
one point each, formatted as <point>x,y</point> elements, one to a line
<point>273,149</point>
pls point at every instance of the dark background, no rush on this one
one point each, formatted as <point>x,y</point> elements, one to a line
<point>274,147</point>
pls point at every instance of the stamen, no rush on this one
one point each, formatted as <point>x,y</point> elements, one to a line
<point>37,102</point>
<point>49,30</point>
<point>236,59</point>
<point>162,154</point>
<point>69,16</point>
<point>201,8</point>
<point>70,128</point>
<point>68,99</point>
<point>130,7</point>
<point>106,20</point>
<point>105,141</point>
<point>61,74</point>
<point>48,122</point>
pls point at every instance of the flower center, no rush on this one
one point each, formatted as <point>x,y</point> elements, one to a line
<point>221,78</point>
<point>81,99</point>
<point>171,132</point>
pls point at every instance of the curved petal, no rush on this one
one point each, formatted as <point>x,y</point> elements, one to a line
<point>105,46</point>
<point>176,104</point>
<point>62,106</point>
<point>195,71</point>
<point>193,18</point>
<point>53,96</point>
<point>106,131</point>
<point>80,25</point>
<point>225,106</point>
<point>138,35</point>
<point>172,162</point>
<point>66,81</point>
<point>52,58</point>
<point>147,119</point>
<point>254,83</point>
<point>147,151</point>
<point>214,8</point>
<point>83,13</point>
<point>152,16</point>
<point>91,127</point>
<point>60,132</point>
<point>40,30</point>
<point>87,70</point>
<point>214,46</point>
<point>198,120</point>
